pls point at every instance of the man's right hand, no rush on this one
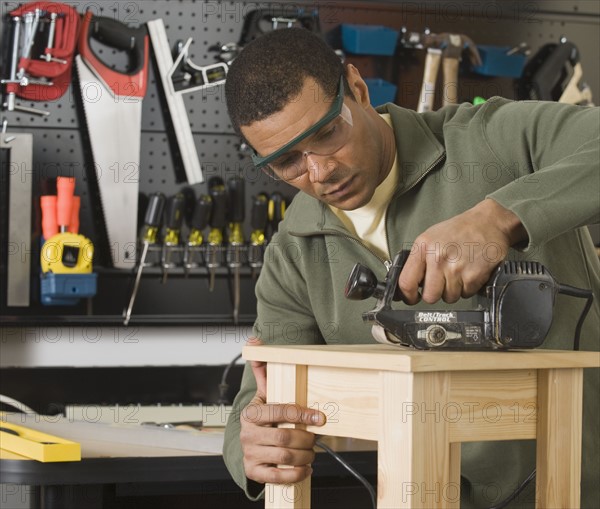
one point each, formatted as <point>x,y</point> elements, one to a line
<point>265,446</point>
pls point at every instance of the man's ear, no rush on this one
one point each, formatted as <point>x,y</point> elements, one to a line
<point>358,87</point>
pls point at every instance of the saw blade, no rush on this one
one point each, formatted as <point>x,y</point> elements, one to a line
<point>114,125</point>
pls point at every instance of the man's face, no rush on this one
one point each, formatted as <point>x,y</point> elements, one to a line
<point>345,179</point>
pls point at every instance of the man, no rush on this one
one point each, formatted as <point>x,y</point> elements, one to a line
<point>464,188</point>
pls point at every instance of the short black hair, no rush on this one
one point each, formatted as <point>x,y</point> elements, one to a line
<point>271,70</point>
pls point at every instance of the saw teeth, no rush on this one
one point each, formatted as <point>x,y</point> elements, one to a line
<point>122,245</point>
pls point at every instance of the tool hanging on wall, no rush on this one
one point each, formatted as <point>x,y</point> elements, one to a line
<point>44,77</point>
<point>66,256</point>
<point>236,208</point>
<point>179,78</point>
<point>192,257</point>
<point>276,212</point>
<point>446,49</point>
<point>217,223</point>
<point>261,21</point>
<point>554,73</point>
<point>149,237</point>
<point>174,213</point>
<point>112,102</point>
<point>258,222</point>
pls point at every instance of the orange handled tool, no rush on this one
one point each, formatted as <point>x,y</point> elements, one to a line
<point>49,224</point>
<point>65,187</point>
<point>74,222</point>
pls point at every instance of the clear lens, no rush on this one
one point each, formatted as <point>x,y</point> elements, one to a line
<point>328,140</point>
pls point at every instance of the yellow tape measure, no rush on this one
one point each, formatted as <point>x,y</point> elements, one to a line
<point>67,253</point>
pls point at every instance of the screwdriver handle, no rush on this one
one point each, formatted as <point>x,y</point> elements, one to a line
<point>154,211</point>
<point>74,222</point>
<point>65,188</point>
<point>202,212</point>
<point>49,224</point>
<point>277,206</point>
<point>174,212</point>
<point>259,213</point>
<point>236,199</point>
<point>218,218</point>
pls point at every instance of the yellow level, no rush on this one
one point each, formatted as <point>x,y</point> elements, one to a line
<point>37,445</point>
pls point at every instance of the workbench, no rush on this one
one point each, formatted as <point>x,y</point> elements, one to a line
<point>114,475</point>
<point>421,405</point>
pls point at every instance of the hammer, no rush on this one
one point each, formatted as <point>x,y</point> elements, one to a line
<point>432,65</point>
<point>453,46</point>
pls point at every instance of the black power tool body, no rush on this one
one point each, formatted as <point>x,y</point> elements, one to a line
<point>514,310</point>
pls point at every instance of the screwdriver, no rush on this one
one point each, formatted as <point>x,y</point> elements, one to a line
<point>198,223</point>
<point>154,212</point>
<point>277,206</point>
<point>217,223</point>
<point>173,219</point>
<point>258,222</point>
<point>237,204</point>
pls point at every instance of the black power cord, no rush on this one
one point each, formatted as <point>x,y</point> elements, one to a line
<point>350,469</point>
<point>224,386</point>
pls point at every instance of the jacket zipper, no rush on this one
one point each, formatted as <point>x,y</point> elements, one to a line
<point>425,173</point>
<point>387,263</point>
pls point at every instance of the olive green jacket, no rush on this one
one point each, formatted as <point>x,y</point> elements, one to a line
<point>539,160</point>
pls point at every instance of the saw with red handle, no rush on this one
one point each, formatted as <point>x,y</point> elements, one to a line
<point>112,102</point>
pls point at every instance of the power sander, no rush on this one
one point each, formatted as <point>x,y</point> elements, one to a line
<point>514,310</point>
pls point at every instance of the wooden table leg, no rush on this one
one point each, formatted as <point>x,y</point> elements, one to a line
<point>559,421</point>
<point>287,383</point>
<point>414,451</point>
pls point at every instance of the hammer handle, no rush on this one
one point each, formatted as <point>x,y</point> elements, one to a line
<point>432,65</point>
<point>450,95</point>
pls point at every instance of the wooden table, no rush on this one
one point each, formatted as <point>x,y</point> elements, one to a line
<point>421,405</point>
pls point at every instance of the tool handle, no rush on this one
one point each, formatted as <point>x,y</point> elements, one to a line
<point>74,222</point>
<point>259,213</point>
<point>432,65</point>
<point>218,214</point>
<point>202,212</point>
<point>236,199</point>
<point>154,211</point>
<point>450,90</point>
<point>49,224</point>
<point>216,189</point>
<point>174,212</point>
<point>65,187</point>
<point>277,206</point>
<point>120,36</point>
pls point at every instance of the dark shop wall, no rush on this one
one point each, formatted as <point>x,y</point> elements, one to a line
<point>60,146</point>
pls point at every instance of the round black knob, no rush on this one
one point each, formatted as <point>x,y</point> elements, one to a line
<point>361,283</point>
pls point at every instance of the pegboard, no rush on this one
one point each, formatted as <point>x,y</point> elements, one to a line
<point>60,148</point>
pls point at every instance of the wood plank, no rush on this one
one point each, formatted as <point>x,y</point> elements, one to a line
<point>453,491</point>
<point>348,397</point>
<point>414,452</point>
<point>287,383</point>
<point>558,450</point>
<point>492,405</point>
<point>395,358</point>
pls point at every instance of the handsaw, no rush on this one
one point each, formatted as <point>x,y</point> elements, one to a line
<point>112,102</point>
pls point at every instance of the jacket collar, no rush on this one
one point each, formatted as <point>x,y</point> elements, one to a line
<point>418,152</point>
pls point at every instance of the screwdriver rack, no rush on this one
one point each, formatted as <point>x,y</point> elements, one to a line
<point>60,146</point>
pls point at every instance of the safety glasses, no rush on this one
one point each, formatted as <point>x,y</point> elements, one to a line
<point>328,135</point>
